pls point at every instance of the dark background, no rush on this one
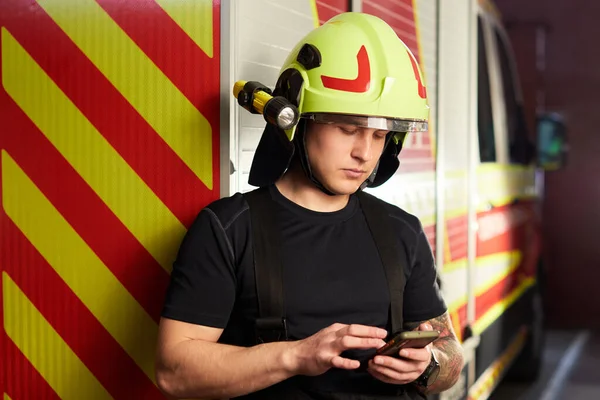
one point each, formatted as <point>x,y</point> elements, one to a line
<point>558,56</point>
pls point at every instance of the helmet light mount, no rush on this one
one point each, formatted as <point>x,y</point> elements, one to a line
<point>258,99</point>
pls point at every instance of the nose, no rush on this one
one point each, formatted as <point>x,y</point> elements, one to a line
<point>363,146</point>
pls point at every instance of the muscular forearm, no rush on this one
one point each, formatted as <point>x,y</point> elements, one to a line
<point>203,369</point>
<point>449,354</point>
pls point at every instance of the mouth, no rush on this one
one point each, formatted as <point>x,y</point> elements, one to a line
<point>354,173</point>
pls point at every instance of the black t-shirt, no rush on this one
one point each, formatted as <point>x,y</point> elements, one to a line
<point>332,272</point>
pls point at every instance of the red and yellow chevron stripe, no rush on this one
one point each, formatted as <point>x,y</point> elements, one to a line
<point>520,243</point>
<point>327,9</point>
<point>109,138</point>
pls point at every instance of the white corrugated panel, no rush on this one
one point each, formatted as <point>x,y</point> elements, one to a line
<point>264,33</point>
<point>426,15</point>
<point>414,191</point>
<point>456,79</point>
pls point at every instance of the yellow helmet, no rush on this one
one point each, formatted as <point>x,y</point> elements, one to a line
<point>356,64</point>
<point>354,68</point>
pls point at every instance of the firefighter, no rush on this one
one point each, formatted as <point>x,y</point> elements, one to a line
<point>287,292</point>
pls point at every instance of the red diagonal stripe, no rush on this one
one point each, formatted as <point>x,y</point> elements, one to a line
<point>172,50</point>
<point>3,337</point>
<point>424,166</point>
<point>195,74</point>
<point>416,152</point>
<point>18,377</point>
<point>327,9</point>
<point>406,32</point>
<point>104,357</point>
<point>22,380</point>
<point>145,151</point>
<point>495,294</point>
<point>128,260</point>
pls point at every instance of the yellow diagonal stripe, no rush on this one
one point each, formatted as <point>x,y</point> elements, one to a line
<point>142,83</point>
<point>315,13</point>
<point>494,313</point>
<point>45,349</point>
<point>195,18</point>
<point>511,258</point>
<point>6,397</point>
<point>78,265</point>
<point>489,377</point>
<point>98,163</point>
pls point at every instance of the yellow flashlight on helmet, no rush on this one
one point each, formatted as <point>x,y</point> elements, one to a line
<point>258,99</point>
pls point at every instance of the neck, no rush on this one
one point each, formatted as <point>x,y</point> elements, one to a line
<point>296,187</point>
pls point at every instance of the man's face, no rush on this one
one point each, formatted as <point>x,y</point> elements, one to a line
<point>342,156</point>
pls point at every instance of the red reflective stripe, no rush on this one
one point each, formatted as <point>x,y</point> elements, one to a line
<point>328,9</point>
<point>195,74</point>
<point>82,208</point>
<point>172,50</point>
<point>133,138</point>
<point>422,89</point>
<point>360,84</point>
<point>21,379</point>
<point>105,358</point>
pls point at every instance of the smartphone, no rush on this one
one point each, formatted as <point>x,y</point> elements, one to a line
<point>407,339</point>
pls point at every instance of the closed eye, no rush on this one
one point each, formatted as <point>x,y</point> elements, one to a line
<point>348,129</point>
<point>380,135</point>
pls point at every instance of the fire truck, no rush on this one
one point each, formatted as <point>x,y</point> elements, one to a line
<point>118,125</point>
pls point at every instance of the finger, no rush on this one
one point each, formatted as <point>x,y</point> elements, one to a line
<point>344,363</point>
<point>392,376</point>
<point>362,331</point>
<point>378,375</point>
<point>334,327</point>
<point>353,342</point>
<point>416,354</point>
<point>425,327</point>
<point>401,365</point>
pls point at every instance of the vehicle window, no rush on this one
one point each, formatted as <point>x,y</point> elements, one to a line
<point>485,121</point>
<point>515,122</point>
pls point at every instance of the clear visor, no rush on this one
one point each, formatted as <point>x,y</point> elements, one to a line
<point>386,124</point>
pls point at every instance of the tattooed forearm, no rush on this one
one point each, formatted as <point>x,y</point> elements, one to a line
<point>447,350</point>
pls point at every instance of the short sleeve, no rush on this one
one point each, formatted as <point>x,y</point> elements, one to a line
<point>203,284</point>
<point>422,297</point>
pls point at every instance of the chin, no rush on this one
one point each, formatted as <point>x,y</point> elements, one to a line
<point>344,188</point>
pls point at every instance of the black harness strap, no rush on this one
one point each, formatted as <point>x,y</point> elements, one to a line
<point>392,253</point>
<point>271,324</point>
<point>268,267</point>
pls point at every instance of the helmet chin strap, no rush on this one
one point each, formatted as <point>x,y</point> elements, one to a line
<point>300,144</point>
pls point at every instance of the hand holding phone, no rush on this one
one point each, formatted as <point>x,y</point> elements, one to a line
<point>407,339</point>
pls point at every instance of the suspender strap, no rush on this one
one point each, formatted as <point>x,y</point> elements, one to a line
<point>268,267</point>
<point>392,253</point>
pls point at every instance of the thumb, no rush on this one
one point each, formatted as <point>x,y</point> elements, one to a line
<point>425,327</point>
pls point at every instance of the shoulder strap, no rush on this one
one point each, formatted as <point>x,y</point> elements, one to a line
<point>268,267</point>
<point>392,253</point>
